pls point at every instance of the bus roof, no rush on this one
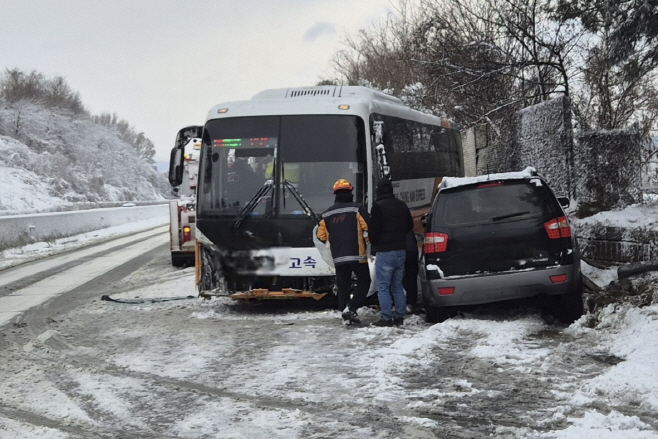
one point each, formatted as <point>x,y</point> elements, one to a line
<point>323,99</point>
<point>338,91</point>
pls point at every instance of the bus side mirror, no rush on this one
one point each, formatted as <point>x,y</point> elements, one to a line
<point>564,201</point>
<point>423,219</point>
<point>176,165</point>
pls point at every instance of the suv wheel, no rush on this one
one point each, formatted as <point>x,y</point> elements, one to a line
<point>435,314</point>
<point>567,308</point>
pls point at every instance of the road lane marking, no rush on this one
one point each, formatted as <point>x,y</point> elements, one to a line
<point>21,300</point>
<point>22,271</point>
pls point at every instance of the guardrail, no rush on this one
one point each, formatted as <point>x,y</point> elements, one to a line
<point>20,230</point>
<point>83,205</point>
<point>617,245</point>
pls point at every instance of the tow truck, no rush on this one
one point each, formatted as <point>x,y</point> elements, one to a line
<point>182,211</point>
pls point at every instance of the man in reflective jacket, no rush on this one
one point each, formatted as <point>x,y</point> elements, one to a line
<point>345,226</point>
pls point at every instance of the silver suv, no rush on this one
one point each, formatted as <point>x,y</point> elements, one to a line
<point>499,237</point>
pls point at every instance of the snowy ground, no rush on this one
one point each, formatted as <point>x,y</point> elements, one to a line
<point>206,369</point>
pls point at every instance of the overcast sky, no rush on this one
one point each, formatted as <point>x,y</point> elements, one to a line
<point>160,65</point>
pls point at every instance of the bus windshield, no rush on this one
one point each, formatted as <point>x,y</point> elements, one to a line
<point>310,151</point>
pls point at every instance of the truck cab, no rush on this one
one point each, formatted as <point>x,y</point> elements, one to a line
<point>182,211</point>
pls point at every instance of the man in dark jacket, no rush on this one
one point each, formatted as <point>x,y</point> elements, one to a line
<point>345,225</point>
<point>390,222</point>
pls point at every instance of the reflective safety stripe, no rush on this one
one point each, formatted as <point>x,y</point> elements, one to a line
<point>349,259</point>
<point>341,210</point>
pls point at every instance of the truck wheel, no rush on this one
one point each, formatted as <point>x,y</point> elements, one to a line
<point>178,260</point>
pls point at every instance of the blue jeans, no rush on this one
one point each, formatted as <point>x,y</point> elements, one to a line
<point>389,269</point>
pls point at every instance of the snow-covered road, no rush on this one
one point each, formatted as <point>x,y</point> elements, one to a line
<point>79,367</point>
<point>69,272</point>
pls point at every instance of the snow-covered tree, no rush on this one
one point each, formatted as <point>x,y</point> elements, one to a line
<point>479,62</point>
<point>45,137</point>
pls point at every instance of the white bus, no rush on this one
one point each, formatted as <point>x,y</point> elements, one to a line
<point>267,170</point>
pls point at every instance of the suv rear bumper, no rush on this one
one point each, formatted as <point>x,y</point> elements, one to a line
<point>473,290</point>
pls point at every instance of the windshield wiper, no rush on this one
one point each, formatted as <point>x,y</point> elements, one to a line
<point>251,205</point>
<point>283,186</point>
<point>509,215</point>
<point>301,201</point>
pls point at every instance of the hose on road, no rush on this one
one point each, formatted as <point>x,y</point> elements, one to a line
<point>152,300</point>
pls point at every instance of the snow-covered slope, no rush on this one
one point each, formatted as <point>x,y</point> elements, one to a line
<point>52,158</point>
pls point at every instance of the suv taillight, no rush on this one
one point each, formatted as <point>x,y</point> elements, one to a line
<point>558,228</point>
<point>435,242</point>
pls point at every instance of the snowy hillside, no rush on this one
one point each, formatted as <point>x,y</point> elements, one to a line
<point>52,158</point>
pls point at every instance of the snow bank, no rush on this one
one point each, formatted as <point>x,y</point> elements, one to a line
<point>449,182</point>
<point>23,190</point>
<point>634,216</point>
<point>634,338</point>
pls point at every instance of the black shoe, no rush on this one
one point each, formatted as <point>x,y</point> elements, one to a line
<point>350,318</point>
<point>382,323</point>
<point>398,321</point>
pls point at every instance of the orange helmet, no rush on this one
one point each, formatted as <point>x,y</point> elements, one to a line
<point>342,184</point>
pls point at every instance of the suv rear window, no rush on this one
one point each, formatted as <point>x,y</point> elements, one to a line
<point>495,201</point>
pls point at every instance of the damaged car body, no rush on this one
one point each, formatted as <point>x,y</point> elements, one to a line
<point>500,237</point>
